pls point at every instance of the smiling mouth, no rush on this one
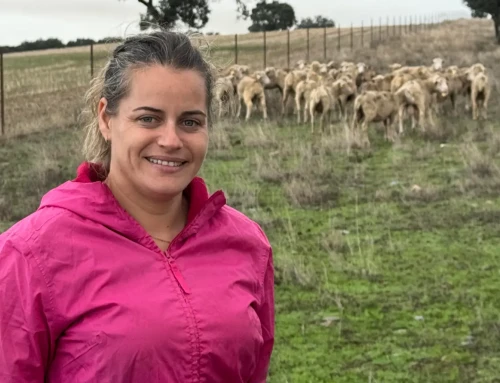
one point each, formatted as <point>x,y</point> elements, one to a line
<point>172,164</point>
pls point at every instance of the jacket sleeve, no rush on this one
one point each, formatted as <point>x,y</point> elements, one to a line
<point>266,314</point>
<point>24,331</point>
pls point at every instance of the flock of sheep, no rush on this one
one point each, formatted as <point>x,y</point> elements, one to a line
<point>321,88</point>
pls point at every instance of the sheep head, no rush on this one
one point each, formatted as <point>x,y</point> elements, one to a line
<point>440,85</point>
<point>395,66</point>
<point>262,77</point>
<point>437,64</point>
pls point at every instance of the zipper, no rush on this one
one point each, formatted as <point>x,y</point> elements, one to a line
<point>171,263</point>
<point>187,291</point>
<point>175,271</point>
<point>177,274</point>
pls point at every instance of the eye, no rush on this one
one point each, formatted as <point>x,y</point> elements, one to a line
<point>191,123</point>
<point>147,119</point>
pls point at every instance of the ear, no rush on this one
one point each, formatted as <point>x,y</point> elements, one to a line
<point>104,119</point>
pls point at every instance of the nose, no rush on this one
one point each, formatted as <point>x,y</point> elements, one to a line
<point>168,136</point>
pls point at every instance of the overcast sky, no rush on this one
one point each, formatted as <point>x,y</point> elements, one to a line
<point>22,20</point>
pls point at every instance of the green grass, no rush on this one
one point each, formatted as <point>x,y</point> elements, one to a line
<point>374,282</point>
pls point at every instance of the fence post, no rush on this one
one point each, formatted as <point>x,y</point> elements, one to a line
<point>400,25</point>
<point>288,47</point>
<point>324,43</point>
<point>387,26</point>
<point>380,29</point>
<point>2,93</point>
<point>91,60</point>
<point>362,36</point>
<point>411,25</point>
<point>394,25</point>
<point>307,59</point>
<point>265,50</point>
<point>352,37</point>
<point>371,32</point>
<point>236,48</point>
<point>338,38</point>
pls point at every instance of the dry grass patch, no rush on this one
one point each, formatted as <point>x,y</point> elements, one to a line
<point>269,168</point>
<point>352,253</point>
<point>260,136</point>
<point>481,172</point>
<point>314,179</point>
<point>291,266</point>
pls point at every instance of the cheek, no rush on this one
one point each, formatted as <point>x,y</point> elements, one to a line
<point>200,146</point>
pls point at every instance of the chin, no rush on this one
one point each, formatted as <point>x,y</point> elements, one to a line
<point>165,187</point>
<point>166,193</point>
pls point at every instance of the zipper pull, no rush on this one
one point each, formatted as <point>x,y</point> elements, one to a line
<point>178,276</point>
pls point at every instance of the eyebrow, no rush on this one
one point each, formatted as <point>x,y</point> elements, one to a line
<point>193,112</point>
<point>155,110</point>
<point>149,109</point>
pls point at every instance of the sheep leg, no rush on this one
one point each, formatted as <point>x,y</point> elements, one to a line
<point>322,121</point>
<point>263,106</point>
<point>311,112</point>
<point>329,120</point>
<point>238,113</point>
<point>220,109</point>
<point>485,104</point>
<point>474,106</point>
<point>342,108</point>
<point>346,104</point>
<point>389,129</point>
<point>421,117</point>
<point>364,133</point>
<point>249,105</point>
<point>306,108</point>
<point>298,108</point>
<point>453,103</point>
<point>354,123</point>
<point>430,117</point>
<point>286,95</point>
<point>413,122</point>
<point>401,111</point>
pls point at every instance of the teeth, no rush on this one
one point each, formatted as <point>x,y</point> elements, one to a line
<point>164,163</point>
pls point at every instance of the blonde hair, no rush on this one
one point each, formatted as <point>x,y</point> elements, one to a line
<point>112,82</point>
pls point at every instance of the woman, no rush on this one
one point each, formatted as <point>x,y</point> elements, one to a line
<point>131,272</point>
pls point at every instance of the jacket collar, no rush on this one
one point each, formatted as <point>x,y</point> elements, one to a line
<point>88,197</point>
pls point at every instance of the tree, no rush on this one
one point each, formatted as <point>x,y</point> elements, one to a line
<point>482,8</point>
<point>193,13</point>
<point>273,16</point>
<point>317,22</point>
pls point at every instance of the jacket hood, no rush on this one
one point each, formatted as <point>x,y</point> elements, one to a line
<point>90,198</point>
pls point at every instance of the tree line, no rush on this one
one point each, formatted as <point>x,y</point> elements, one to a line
<point>52,43</point>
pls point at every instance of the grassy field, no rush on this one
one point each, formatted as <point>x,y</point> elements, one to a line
<point>387,266</point>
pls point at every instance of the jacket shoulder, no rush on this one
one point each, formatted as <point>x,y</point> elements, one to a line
<point>242,223</point>
<point>35,225</point>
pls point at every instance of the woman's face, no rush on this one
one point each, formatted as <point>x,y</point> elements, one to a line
<point>159,135</point>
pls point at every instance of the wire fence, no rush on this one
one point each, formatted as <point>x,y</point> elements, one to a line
<point>44,89</point>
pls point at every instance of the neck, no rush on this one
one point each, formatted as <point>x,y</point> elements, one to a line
<point>162,219</point>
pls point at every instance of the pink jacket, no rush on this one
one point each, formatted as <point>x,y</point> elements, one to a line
<point>87,296</point>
